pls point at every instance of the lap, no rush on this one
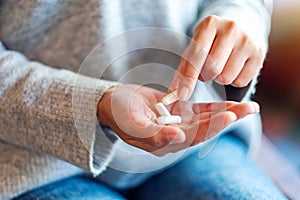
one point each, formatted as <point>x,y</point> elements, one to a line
<point>225,173</point>
<point>74,188</point>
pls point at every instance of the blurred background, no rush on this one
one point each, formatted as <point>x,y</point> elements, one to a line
<point>278,90</point>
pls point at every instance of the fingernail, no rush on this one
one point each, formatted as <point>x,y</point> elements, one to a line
<point>257,108</point>
<point>184,93</point>
<point>179,138</point>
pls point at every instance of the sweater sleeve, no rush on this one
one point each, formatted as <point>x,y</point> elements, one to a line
<point>254,17</point>
<point>52,111</point>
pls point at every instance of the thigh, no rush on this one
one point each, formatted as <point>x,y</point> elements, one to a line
<point>79,187</point>
<point>226,173</point>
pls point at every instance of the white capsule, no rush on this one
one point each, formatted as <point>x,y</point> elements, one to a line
<point>162,110</point>
<point>170,98</point>
<point>173,119</point>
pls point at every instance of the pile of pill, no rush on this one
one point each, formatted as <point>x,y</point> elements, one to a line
<point>165,115</point>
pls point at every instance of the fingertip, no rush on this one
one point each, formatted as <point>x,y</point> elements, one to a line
<point>184,93</point>
<point>174,135</point>
<point>256,107</point>
<point>179,137</point>
<point>231,116</point>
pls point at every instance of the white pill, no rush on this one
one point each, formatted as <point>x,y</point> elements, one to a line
<point>173,119</point>
<point>170,98</point>
<point>162,110</point>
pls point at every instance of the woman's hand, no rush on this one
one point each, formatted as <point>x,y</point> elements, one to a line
<point>220,51</point>
<point>129,111</point>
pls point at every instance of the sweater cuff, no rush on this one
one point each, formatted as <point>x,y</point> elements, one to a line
<point>100,144</point>
<point>53,111</point>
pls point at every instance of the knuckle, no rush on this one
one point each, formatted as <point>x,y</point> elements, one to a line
<point>231,26</point>
<point>198,28</point>
<point>210,20</point>
<point>214,70</point>
<point>196,52</point>
<point>245,40</point>
<point>194,58</point>
<point>190,77</point>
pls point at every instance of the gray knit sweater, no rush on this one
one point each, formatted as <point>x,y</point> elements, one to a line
<point>45,133</point>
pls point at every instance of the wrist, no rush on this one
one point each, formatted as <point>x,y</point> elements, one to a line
<point>104,107</point>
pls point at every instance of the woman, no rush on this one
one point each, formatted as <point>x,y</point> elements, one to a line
<point>50,115</point>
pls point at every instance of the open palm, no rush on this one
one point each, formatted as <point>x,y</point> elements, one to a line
<point>129,111</point>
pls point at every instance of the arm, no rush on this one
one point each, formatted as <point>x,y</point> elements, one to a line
<point>37,111</point>
<point>229,46</point>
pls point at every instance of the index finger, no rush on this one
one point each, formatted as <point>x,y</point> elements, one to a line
<point>193,59</point>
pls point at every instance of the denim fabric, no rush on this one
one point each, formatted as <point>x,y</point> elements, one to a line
<point>75,188</point>
<point>226,173</point>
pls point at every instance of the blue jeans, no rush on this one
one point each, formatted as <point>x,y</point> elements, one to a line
<point>226,173</point>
